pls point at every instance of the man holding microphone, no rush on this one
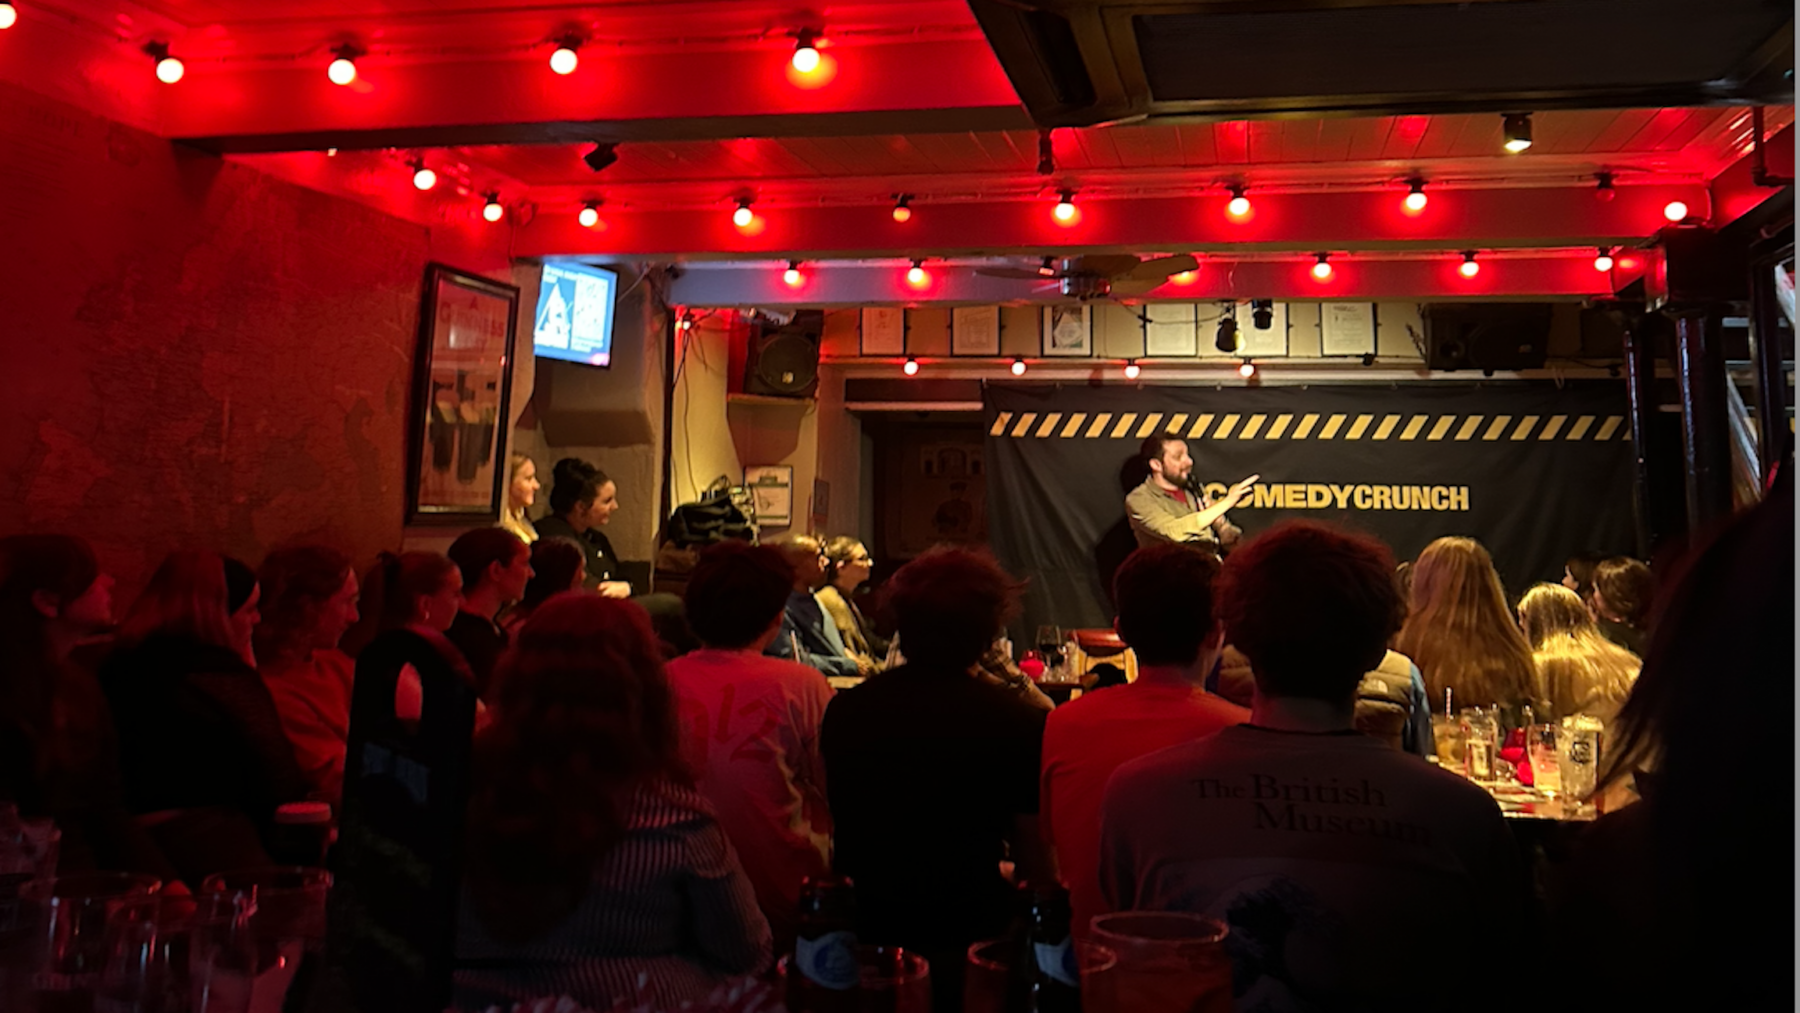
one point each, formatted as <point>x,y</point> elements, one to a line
<point>1170,506</point>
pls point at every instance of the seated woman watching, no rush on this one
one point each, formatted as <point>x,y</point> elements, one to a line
<point>309,605</point>
<point>582,500</point>
<point>1462,636</point>
<point>205,761</point>
<point>1581,671</point>
<point>594,868</point>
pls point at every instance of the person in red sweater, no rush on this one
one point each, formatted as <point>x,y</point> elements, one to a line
<point>1165,598</point>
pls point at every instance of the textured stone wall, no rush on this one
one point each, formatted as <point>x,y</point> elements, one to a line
<point>194,353</point>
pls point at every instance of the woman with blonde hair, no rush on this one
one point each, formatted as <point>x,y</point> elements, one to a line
<point>1581,672</point>
<point>1461,634</point>
<point>521,492</point>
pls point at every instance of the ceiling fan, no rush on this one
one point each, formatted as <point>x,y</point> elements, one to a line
<point>1099,275</point>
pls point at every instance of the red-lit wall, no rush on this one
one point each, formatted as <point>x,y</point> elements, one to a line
<point>193,353</point>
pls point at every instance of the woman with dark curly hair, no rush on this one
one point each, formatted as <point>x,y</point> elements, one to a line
<point>595,870</point>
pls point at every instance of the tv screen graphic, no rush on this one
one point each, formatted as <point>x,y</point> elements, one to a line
<point>575,314</point>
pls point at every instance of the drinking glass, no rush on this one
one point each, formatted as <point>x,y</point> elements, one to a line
<point>1165,962</point>
<point>1049,644</point>
<point>1446,731</point>
<point>92,940</point>
<point>1481,745</point>
<point>1540,748</point>
<point>890,980</point>
<point>989,970</point>
<point>1578,756</point>
<point>259,939</point>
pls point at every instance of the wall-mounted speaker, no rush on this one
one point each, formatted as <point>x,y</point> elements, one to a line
<point>1487,336</point>
<point>783,358</point>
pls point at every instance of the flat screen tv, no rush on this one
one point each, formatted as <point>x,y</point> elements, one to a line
<point>575,314</point>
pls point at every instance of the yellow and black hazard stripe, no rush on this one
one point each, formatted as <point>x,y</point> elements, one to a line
<point>1308,426</point>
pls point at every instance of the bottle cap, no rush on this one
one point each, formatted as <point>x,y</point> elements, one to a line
<point>303,813</point>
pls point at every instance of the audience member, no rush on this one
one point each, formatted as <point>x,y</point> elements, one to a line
<point>1328,854</point>
<point>310,601</point>
<point>594,867</point>
<point>557,565</point>
<point>1461,634</point>
<point>582,499</point>
<point>495,571</point>
<point>806,635</point>
<point>1578,573</point>
<point>521,492</point>
<point>1165,605</point>
<point>420,591</point>
<point>1391,703</point>
<point>750,726</point>
<point>1621,598</point>
<point>204,757</point>
<point>846,569</point>
<point>1580,671</point>
<point>931,771</point>
<point>59,751</point>
<point>1683,900</point>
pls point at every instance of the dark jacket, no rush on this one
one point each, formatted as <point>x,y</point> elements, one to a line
<point>198,729</point>
<point>481,642</point>
<point>602,565</point>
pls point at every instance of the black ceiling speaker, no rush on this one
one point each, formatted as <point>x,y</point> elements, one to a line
<point>783,359</point>
<point>1491,337</point>
<point>605,153</point>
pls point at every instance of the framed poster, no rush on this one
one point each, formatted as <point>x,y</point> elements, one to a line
<point>1069,330</point>
<point>1346,328</point>
<point>883,330</point>
<point>772,486</point>
<point>975,330</point>
<point>461,399</point>
<point>1171,329</point>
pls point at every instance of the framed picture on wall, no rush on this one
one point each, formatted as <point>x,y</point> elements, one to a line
<point>772,486</point>
<point>461,399</point>
<point>975,330</point>
<point>883,330</point>
<point>1069,330</point>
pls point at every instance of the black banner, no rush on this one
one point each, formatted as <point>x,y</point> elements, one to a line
<point>1536,472</point>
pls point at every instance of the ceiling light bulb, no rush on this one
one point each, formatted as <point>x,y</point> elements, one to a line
<point>1517,128</point>
<point>916,273</point>
<point>493,210</point>
<point>330,152</point>
<point>589,216</point>
<point>564,60</point>
<point>792,275</point>
<point>1065,207</point>
<point>911,367</point>
<point>9,15</point>
<point>1239,206</point>
<point>1675,211</point>
<point>1018,367</point>
<point>1184,277</point>
<point>686,323</point>
<point>743,216</point>
<point>1247,370</point>
<point>169,70</point>
<point>1604,190</point>
<point>1322,269</point>
<point>806,53</point>
<point>423,178</point>
<point>342,71</point>
<point>1131,369</point>
<point>902,213</point>
<point>1604,262</point>
<point>1415,201</point>
<point>1469,268</point>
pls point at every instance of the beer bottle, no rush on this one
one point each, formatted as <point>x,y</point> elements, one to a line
<point>824,970</point>
<point>1053,981</point>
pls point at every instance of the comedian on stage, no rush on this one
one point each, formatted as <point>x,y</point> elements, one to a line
<point>1170,506</point>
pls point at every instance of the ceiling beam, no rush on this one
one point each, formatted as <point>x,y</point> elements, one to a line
<point>889,88</point>
<point>1302,222</point>
<point>1550,276</point>
<point>1735,192</point>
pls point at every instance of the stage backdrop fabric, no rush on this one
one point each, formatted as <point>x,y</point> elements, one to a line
<point>1536,472</point>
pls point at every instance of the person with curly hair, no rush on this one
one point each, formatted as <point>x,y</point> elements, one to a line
<point>595,870</point>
